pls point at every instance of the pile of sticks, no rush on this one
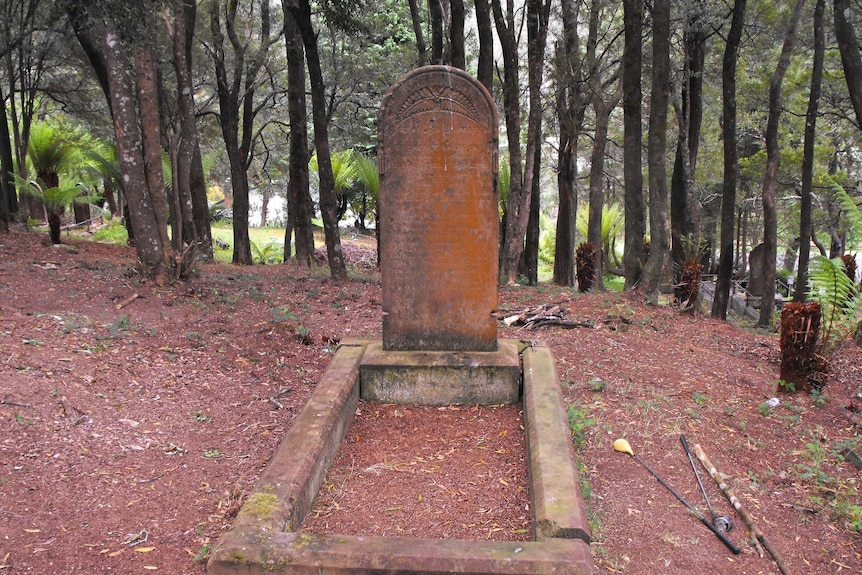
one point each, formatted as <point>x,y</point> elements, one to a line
<point>549,314</point>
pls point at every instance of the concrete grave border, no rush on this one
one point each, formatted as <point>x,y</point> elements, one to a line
<point>265,538</point>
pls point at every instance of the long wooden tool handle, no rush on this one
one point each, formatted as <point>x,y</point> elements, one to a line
<point>725,488</point>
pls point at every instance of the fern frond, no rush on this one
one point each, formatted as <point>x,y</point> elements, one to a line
<point>839,298</point>
<point>852,212</point>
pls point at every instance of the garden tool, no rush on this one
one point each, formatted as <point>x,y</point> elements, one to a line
<point>721,522</point>
<point>623,446</point>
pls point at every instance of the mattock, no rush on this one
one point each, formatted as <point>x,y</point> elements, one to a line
<point>721,522</point>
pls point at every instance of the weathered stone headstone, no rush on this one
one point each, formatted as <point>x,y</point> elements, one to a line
<point>438,213</point>
<point>439,236</point>
<point>755,270</point>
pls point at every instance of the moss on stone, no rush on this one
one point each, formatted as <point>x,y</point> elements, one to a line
<point>262,504</point>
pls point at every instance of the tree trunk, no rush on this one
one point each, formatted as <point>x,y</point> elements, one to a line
<point>770,177</point>
<point>184,13</point>
<point>684,208</point>
<point>229,105</point>
<point>801,291</point>
<point>458,55</point>
<point>8,195</point>
<point>299,196</point>
<point>633,255</point>
<point>603,111</point>
<point>435,12</point>
<point>731,162</point>
<point>654,270</point>
<point>520,189</point>
<point>505,25</point>
<point>150,250</point>
<point>848,45</point>
<point>150,126</point>
<point>529,267</point>
<point>301,11</point>
<point>485,65</point>
<point>416,18</point>
<point>571,109</point>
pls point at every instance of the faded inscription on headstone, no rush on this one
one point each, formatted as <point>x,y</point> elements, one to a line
<point>438,213</point>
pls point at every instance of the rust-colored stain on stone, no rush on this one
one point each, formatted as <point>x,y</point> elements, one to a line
<point>439,230</point>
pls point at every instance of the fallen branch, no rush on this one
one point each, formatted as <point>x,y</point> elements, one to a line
<point>756,533</point>
<point>13,403</point>
<point>127,301</point>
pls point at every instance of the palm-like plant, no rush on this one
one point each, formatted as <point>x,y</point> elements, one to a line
<point>55,157</point>
<point>367,174</point>
<point>57,198</point>
<point>344,174</point>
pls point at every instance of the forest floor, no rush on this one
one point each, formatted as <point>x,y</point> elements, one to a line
<point>134,419</point>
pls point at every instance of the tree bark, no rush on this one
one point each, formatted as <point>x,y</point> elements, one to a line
<point>195,214</point>
<point>654,270</point>
<point>8,196</point>
<point>731,162</point>
<point>571,109</point>
<point>229,92</point>
<point>529,267</point>
<point>770,177</point>
<point>485,65</point>
<point>456,35</point>
<point>299,196</point>
<point>520,190</point>
<point>150,250</point>
<point>150,126</point>
<point>684,206</point>
<point>848,45</point>
<point>435,11</point>
<point>633,255</point>
<point>422,57</point>
<point>505,25</point>
<point>801,291</point>
<point>301,11</point>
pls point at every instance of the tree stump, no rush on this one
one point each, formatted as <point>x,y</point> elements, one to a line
<point>801,364</point>
<point>689,283</point>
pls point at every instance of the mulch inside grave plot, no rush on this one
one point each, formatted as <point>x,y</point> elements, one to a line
<point>457,472</point>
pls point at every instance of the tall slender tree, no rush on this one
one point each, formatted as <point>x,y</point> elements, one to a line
<point>236,97</point>
<point>633,256</point>
<point>604,101</point>
<point>300,209</point>
<point>521,167</point>
<point>654,269</point>
<point>143,201</point>
<point>188,170</point>
<point>770,176</point>
<point>807,193</point>
<point>731,161</point>
<point>684,205</point>
<point>301,11</point>
<point>571,105</point>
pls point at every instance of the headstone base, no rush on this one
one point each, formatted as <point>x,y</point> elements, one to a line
<point>441,377</point>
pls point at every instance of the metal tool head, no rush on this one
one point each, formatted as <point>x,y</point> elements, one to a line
<point>723,523</point>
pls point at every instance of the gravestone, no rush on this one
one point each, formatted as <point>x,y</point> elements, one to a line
<point>755,270</point>
<point>438,213</point>
<point>439,241</point>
